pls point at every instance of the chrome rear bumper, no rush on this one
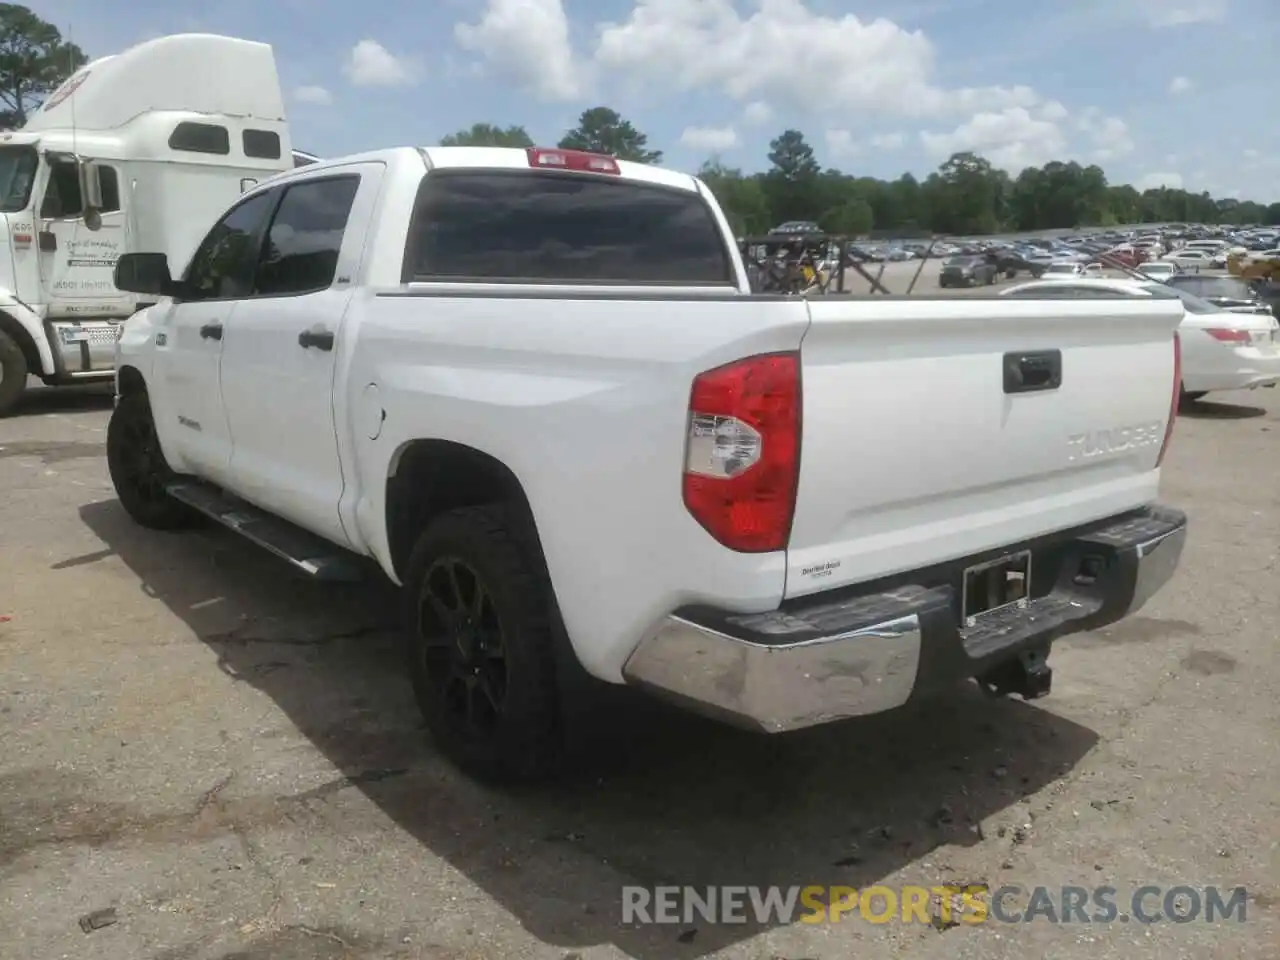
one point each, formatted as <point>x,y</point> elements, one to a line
<point>846,654</point>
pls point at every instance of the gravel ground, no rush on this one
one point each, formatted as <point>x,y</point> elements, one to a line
<point>223,759</point>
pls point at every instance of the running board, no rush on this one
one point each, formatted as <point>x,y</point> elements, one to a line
<point>313,555</point>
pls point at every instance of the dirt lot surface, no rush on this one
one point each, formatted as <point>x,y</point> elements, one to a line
<point>207,758</point>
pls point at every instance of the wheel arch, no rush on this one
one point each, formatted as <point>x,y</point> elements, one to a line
<point>428,477</point>
<point>20,335</point>
<point>130,381</point>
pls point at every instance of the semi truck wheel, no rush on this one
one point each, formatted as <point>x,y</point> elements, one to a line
<point>13,373</point>
<point>138,469</point>
<point>479,622</point>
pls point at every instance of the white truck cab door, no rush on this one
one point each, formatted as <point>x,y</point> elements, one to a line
<point>189,412</point>
<point>283,344</point>
<point>76,262</point>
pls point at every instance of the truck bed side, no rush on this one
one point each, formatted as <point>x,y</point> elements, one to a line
<point>585,398</point>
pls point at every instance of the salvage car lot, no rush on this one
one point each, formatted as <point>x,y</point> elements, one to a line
<point>226,757</point>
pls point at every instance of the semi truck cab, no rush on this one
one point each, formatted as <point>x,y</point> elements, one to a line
<point>136,151</point>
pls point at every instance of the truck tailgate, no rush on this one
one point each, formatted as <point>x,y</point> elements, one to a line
<point>913,453</point>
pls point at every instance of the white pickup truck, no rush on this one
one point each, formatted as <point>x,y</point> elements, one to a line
<point>534,389</point>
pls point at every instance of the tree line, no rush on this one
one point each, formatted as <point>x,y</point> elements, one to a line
<point>966,195</point>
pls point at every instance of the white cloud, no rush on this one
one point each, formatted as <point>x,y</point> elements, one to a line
<point>1180,85</point>
<point>313,94</point>
<point>528,42</point>
<point>841,143</point>
<point>873,66</point>
<point>1053,111</point>
<point>1178,13</point>
<point>1109,136</point>
<point>888,141</point>
<point>757,112</point>
<point>1012,139</point>
<point>1251,154</point>
<point>370,64</point>
<point>711,139</point>
<point>1153,181</point>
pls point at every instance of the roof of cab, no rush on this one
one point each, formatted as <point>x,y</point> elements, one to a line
<point>516,158</point>
<point>480,158</point>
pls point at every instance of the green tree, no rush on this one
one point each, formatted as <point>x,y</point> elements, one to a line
<point>34,61</point>
<point>488,135</point>
<point>852,218</point>
<point>603,130</point>
<point>792,157</point>
<point>793,184</point>
<point>741,197</point>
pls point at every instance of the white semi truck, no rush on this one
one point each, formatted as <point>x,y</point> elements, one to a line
<point>142,150</point>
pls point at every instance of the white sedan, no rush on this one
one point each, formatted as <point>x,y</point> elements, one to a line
<point>1193,259</point>
<point>1158,270</point>
<point>1065,269</point>
<point>1220,350</point>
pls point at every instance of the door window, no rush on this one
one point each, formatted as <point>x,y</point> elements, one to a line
<point>301,251</point>
<point>222,266</point>
<point>62,200</point>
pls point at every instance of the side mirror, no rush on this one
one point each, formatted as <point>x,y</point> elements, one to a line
<point>145,273</point>
<point>90,185</point>
<point>90,194</point>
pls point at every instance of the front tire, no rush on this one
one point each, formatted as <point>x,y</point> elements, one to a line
<point>13,373</point>
<point>139,470</point>
<point>479,626</point>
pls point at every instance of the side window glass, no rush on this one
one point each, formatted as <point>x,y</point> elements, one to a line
<point>109,184</point>
<point>62,198</point>
<point>200,138</point>
<point>221,267</point>
<point>62,194</point>
<point>264,144</point>
<point>300,254</point>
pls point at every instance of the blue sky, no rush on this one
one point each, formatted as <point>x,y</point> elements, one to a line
<point>1180,92</point>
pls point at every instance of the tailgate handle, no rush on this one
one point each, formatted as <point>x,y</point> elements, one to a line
<point>1032,372</point>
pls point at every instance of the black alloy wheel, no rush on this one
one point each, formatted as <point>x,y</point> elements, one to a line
<point>463,647</point>
<point>138,469</point>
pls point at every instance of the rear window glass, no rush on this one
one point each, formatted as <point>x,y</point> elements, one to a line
<point>1214,287</point>
<point>562,228</point>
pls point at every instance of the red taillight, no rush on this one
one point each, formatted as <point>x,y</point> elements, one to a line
<point>578,160</point>
<point>1228,336</point>
<point>742,455</point>
<point>1177,396</point>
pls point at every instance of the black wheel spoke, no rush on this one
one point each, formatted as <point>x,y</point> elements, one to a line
<point>461,645</point>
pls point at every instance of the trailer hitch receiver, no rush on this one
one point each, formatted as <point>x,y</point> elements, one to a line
<point>1027,676</point>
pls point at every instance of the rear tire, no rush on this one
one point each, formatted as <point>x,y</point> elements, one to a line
<point>479,627</point>
<point>13,373</point>
<point>139,470</point>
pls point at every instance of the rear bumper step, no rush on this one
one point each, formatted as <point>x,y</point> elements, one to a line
<point>832,656</point>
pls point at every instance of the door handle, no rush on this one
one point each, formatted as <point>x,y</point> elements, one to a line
<point>320,339</point>
<point>211,331</point>
<point>1032,372</point>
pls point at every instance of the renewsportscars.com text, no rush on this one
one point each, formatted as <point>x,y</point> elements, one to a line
<point>969,904</point>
